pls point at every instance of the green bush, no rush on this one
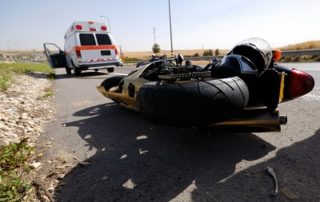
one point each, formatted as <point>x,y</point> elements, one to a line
<point>5,80</point>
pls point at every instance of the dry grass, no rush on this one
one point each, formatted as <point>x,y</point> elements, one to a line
<point>20,52</point>
<point>303,45</point>
<point>191,52</point>
<point>147,54</point>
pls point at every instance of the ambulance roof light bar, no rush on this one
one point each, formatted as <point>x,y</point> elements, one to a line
<point>78,27</point>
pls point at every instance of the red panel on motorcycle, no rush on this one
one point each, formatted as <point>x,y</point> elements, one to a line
<point>300,83</point>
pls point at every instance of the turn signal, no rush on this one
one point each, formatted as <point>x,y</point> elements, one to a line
<point>276,55</point>
<point>300,83</point>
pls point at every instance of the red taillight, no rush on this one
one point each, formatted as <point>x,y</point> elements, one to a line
<point>78,27</point>
<point>300,83</point>
<point>78,53</point>
<point>104,28</point>
<point>92,29</point>
<point>116,51</point>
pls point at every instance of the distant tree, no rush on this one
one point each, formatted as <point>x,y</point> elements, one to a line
<point>156,48</point>
<point>196,55</point>
<point>205,53</point>
<point>217,52</point>
<point>208,53</point>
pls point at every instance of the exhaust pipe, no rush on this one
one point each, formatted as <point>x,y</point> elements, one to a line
<point>253,120</point>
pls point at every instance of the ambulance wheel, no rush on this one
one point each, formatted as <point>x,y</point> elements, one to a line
<point>68,70</point>
<point>77,72</point>
<point>111,69</point>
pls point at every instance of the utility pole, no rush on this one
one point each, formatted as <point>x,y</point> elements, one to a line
<point>170,29</point>
<point>154,35</point>
<point>8,46</point>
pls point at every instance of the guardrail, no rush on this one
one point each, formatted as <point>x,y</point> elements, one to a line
<point>301,52</point>
<point>208,58</point>
<point>283,53</point>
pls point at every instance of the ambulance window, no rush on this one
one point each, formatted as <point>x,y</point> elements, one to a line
<point>103,39</point>
<point>87,39</point>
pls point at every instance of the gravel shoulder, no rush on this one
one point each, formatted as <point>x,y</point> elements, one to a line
<point>24,108</point>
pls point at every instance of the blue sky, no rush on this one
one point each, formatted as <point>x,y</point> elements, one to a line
<point>196,24</point>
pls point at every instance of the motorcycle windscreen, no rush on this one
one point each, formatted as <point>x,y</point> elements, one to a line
<point>257,50</point>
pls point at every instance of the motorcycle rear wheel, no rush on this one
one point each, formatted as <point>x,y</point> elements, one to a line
<point>193,103</point>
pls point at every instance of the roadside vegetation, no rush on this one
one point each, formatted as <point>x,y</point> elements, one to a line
<point>303,45</point>
<point>7,70</point>
<point>306,58</point>
<point>132,60</point>
<point>15,158</point>
<point>48,92</point>
<point>14,165</point>
<point>300,46</point>
<point>135,56</point>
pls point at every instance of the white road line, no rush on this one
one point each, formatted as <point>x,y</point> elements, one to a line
<point>119,74</point>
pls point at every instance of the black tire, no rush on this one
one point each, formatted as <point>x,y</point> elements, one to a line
<point>194,103</point>
<point>111,69</point>
<point>68,71</point>
<point>111,82</point>
<point>77,72</point>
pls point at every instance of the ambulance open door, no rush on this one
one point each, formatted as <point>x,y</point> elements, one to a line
<point>55,56</point>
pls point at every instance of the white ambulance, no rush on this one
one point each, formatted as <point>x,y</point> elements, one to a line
<point>88,45</point>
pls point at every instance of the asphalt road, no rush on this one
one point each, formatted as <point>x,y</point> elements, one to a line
<point>132,159</point>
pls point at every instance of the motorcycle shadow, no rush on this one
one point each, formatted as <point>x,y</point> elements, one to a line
<point>296,168</point>
<point>136,160</point>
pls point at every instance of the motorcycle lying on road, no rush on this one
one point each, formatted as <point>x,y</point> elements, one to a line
<point>242,92</point>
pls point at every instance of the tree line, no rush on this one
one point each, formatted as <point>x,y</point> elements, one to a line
<point>156,49</point>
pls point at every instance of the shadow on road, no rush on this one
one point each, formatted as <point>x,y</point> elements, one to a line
<point>82,75</point>
<point>297,170</point>
<point>140,161</point>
